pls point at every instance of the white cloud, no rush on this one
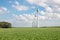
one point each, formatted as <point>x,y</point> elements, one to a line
<point>27,19</point>
<point>58,15</point>
<point>20,7</point>
<point>56,2</point>
<point>20,17</point>
<point>42,16</point>
<point>52,8</point>
<point>53,16</point>
<point>16,2</point>
<point>42,12</point>
<point>55,5</point>
<point>23,17</point>
<point>22,20</point>
<point>3,9</point>
<point>50,5</point>
<point>38,2</point>
<point>35,1</point>
<point>49,10</point>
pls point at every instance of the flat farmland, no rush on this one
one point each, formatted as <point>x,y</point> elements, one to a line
<point>29,33</point>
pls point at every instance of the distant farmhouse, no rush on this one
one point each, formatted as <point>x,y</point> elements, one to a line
<point>5,25</point>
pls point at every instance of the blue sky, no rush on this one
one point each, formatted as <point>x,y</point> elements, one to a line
<point>21,12</point>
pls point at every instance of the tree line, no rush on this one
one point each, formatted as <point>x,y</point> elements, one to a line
<point>5,25</point>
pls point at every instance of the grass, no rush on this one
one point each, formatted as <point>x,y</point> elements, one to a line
<point>30,34</point>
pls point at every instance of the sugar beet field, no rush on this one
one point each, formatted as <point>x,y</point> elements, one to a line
<point>30,34</point>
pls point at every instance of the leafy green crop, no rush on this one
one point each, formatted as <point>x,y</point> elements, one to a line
<point>30,34</point>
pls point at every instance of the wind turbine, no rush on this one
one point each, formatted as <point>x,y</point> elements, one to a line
<point>35,19</point>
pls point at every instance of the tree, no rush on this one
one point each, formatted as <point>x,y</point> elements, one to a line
<point>5,25</point>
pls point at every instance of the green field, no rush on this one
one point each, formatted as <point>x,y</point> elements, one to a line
<point>30,34</point>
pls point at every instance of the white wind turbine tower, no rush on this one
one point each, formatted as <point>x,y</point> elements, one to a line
<point>35,19</point>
